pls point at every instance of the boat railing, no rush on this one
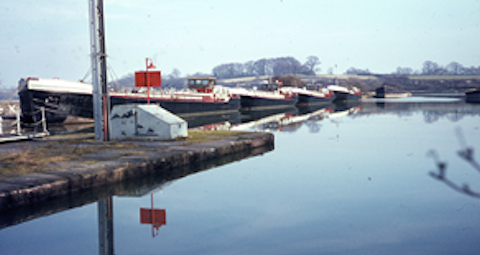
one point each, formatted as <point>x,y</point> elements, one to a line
<point>43,121</point>
<point>19,133</point>
<point>219,93</point>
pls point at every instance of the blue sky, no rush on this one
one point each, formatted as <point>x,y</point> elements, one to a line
<point>51,38</point>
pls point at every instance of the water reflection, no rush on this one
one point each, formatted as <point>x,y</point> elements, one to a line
<point>288,119</point>
<point>105,226</point>
<point>133,187</point>
<point>197,121</point>
<point>466,153</point>
<point>355,179</point>
<point>151,216</point>
<point>433,109</point>
<point>291,119</point>
<point>154,217</point>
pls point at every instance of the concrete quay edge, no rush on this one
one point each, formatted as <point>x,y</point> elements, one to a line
<point>40,187</point>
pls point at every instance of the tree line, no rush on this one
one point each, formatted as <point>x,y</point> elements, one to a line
<point>292,66</point>
<point>267,66</point>
<point>428,68</point>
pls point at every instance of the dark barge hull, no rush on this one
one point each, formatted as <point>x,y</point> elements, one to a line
<point>380,92</point>
<point>252,115</point>
<point>62,98</point>
<point>309,108</point>
<point>472,96</point>
<point>340,96</point>
<point>185,108</point>
<point>307,99</point>
<point>259,103</point>
<point>58,106</point>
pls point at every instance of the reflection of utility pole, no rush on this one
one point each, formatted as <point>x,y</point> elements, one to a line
<point>101,105</point>
<point>105,227</point>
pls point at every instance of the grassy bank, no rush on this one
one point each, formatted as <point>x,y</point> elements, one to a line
<point>54,152</point>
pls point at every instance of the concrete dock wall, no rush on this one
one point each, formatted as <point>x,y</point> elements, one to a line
<point>77,178</point>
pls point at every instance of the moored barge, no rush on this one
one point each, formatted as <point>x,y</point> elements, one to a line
<point>472,96</point>
<point>314,95</point>
<point>63,98</point>
<point>345,94</point>
<point>268,97</point>
<point>60,98</point>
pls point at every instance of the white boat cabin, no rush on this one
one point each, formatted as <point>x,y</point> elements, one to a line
<point>202,84</point>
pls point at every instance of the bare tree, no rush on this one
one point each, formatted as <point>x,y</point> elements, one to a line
<point>260,66</point>
<point>330,70</point>
<point>175,74</point>
<point>454,68</point>
<point>229,70</point>
<point>404,70</point>
<point>311,64</point>
<point>249,68</point>
<point>286,65</point>
<point>432,68</point>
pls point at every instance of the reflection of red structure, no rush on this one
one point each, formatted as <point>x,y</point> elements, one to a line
<point>156,217</point>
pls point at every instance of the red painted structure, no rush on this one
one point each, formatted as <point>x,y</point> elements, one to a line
<point>146,79</point>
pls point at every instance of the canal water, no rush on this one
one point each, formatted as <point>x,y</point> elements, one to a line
<point>350,179</point>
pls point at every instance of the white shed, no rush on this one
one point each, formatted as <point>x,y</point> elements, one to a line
<point>145,121</point>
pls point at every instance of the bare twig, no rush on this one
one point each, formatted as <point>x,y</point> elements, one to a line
<point>466,153</point>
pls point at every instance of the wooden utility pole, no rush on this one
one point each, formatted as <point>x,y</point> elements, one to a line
<point>101,101</point>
